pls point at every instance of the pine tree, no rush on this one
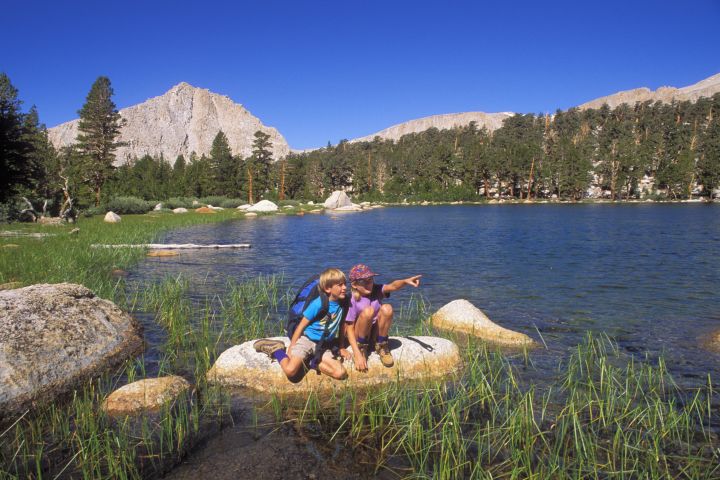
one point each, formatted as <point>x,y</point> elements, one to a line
<point>224,166</point>
<point>15,169</point>
<point>99,128</point>
<point>258,165</point>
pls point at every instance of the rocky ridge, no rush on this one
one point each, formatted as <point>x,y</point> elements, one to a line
<point>183,120</point>
<point>491,121</point>
<point>705,88</point>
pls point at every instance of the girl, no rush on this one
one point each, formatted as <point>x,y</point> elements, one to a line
<point>368,318</point>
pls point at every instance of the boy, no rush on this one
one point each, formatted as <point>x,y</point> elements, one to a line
<point>311,330</point>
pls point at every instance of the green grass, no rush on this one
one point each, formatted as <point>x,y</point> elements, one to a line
<point>606,417</point>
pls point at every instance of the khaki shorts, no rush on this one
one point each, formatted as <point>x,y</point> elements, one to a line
<point>305,349</point>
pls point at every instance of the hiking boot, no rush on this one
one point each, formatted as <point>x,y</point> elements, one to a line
<point>383,351</point>
<point>268,347</point>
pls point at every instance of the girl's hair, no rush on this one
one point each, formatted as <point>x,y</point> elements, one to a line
<point>330,277</point>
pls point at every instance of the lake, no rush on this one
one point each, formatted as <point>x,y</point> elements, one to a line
<point>645,274</point>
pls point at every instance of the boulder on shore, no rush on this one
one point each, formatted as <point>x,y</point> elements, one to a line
<point>415,357</point>
<point>148,395</point>
<point>263,206</point>
<point>112,217</point>
<point>180,210</point>
<point>204,210</point>
<point>55,337</point>
<point>338,199</point>
<point>463,316</point>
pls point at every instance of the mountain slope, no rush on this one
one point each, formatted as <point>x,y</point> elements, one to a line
<point>185,119</point>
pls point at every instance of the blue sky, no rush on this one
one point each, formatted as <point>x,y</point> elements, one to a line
<point>322,71</point>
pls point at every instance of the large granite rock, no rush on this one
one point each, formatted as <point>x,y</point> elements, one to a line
<point>53,337</point>
<point>338,199</point>
<point>145,396</point>
<point>112,217</point>
<point>263,206</point>
<point>183,120</point>
<point>242,366</point>
<point>463,316</point>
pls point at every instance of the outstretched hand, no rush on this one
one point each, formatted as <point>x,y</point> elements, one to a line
<point>413,281</point>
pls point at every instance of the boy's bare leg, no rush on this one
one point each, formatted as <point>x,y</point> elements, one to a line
<point>385,319</point>
<point>291,366</point>
<point>332,368</point>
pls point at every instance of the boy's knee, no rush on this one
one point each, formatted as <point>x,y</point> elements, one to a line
<point>386,310</point>
<point>368,312</point>
<point>340,373</point>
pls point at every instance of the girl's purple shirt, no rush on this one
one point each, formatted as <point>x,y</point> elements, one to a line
<point>374,301</point>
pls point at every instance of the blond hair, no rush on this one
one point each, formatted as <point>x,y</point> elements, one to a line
<point>330,277</point>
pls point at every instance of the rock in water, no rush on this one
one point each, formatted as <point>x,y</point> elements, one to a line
<point>337,199</point>
<point>147,395</point>
<point>54,337</point>
<point>112,217</point>
<point>242,366</point>
<point>263,206</point>
<point>463,316</point>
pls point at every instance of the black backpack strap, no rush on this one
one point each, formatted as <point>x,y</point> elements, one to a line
<point>320,346</point>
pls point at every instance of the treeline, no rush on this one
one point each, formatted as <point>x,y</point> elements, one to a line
<point>650,149</point>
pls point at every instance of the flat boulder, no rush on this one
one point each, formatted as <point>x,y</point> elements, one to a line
<point>204,210</point>
<point>463,316</point>
<point>112,217</point>
<point>337,199</point>
<point>263,206</point>
<point>55,337</point>
<point>145,396</point>
<point>180,210</point>
<point>416,358</point>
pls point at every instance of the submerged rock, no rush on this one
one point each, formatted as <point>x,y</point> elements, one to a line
<point>162,253</point>
<point>263,206</point>
<point>463,316</point>
<point>54,337</point>
<point>148,395</point>
<point>112,217</point>
<point>338,199</point>
<point>242,366</point>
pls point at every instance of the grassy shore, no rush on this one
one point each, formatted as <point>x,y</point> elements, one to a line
<point>605,415</point>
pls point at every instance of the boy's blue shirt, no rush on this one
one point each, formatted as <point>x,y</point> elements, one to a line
<point>315,330</point>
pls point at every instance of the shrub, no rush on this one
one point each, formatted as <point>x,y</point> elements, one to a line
<point>177,202</point>
<point>126,205</point>
<point>214,200</point>
<point>231,203</point>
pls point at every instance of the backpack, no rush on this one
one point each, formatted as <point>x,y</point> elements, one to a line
<point>307,293</point>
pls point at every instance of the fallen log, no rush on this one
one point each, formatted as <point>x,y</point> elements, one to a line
<point>173,246</point>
